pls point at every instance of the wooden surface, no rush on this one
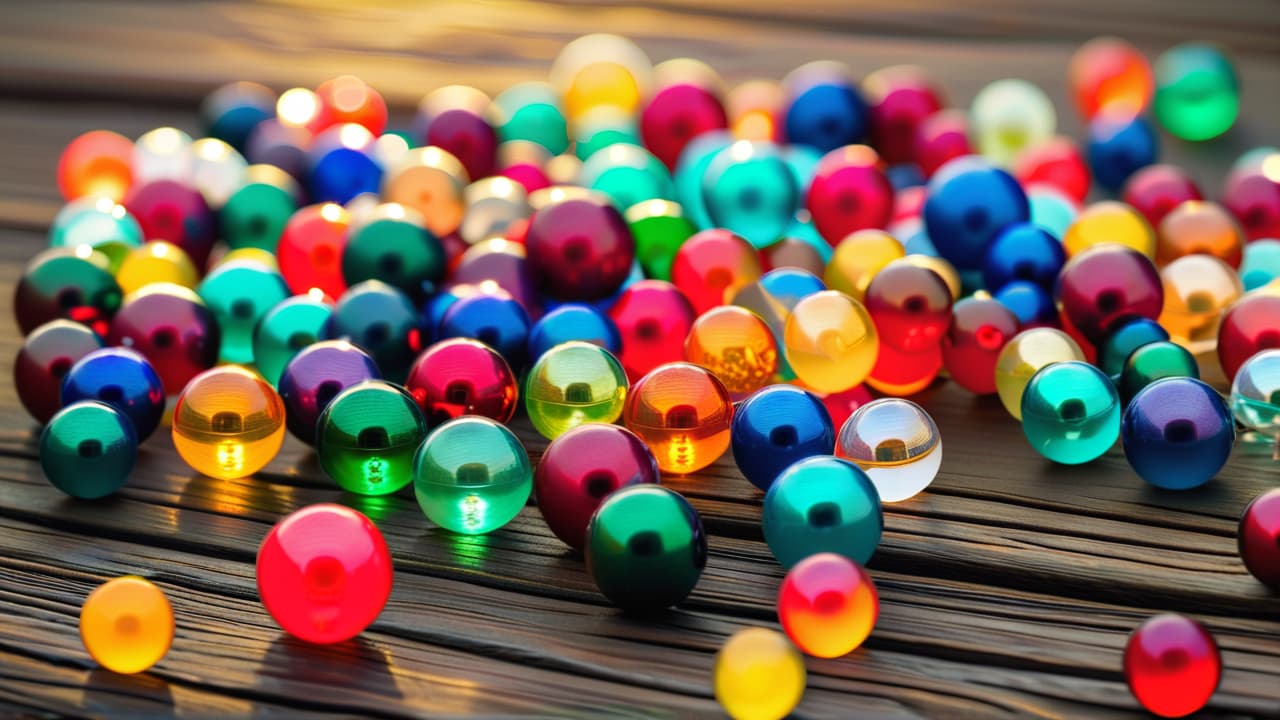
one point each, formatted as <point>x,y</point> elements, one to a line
<point>1008,588</point>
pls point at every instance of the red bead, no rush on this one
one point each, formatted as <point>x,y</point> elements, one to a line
<point>1110,75</point>
<point>1252,194</point>
<point>324,573</point>
<point>942,137</point>
<point>581,467</point>
<point>901,373</point>
<point>173,212</point>
<point>1172,665</point>
<point>842,404</point>
<point>172,328</point>
<point>849,192</point>
<point>46,356</point>
<point>1157,189</point>
<point>900,99</point>
<point>97,163</point>
<point>653,318</point>
<point>828,605</point>
<point>1089,350</point>
<point>911,306</point>
<point>311,247</point>
<point>347,99</point>
<point>712,266</point>
<point>978,332</point>
<point>1106,284</point>
<point>1259,538</point>
<point>460,377</point>
<point>1250,325</point>
<point>1058,163</point>
<point>580,248</point>
<point>675,115</point>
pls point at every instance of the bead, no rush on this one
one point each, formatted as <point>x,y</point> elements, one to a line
<point>380,320</point>
<point>1255,394</point>
<point>98,163</point>
<point>347,99</point>
<point>1030,303</point>
<point>286,330</point>
<point>218,170</point>
<point>1052,210</point>
<point>942,137</point>
<point>1070,412</point>
<point>530,112</point>
<point>736,346</point>
<point>843,404</point>
<point>775,427</point>
<point>1106,285</point>
<point>174,212</point>
<point>126,624</point>
<point>900,98</point>
<point>828,605</point>
<point>87,449</point>
<point>580,248</point>
<point>1197,94</point>
<point>172,328</point>
<point>1261,263</point>
<point>317,374</point>
<point>830,341</point>
<point>231,112</point>
<point>600,69</point>
<point>157,261</point>
<point>685,104</point>
<point>498,264</point>
<point>1259,538</point>
<point>646,548</point>
<point>748,189</point>
<point>239,293</point>
<point>582,467</point>
<point>1172,665</point>
<point>324,573</point>
<point>968,204</point>
<point>228,423</point>
<point>122,379</point>
<point>900,373</point>
<point>653,318</point>
<point>494,204</point>
<point>1008,116</point>
<point>95,221</point>
<point>280,144</point>
<point>573,321</point>
<point>1023,251</point>
<point>683,413</point>
<point>471,476</point>
<point>1119,147</point>
<point>71,283</point>
<point>1025,354</point>
<point>797,253</point>
<point>857,259</point>
<point>691,168</point>
<point>596,130</point>
<point>1109,222</point>
<point>46,356</point>
<point>311,247</point>
<point>1199,227</point>
<point>824,109</point>
<point>1056,163</point>
<point>571,384</point>
<point>849,192</point>
<point>822,504</point>
<point>255,215</point>
<point>496,320</point>
<point>1197,290</point>
<point>1177,433</point>
<point>460,377</point>
<point>759,675</point>
<point>896,443</point>
<point>162,154</point>
<point>1252,193</point>
<point>1109,76</point>
<point>1116,347</point>
<point>342,164</point>
<point>1157,189</point>
<point>367,435</point>
<point>392,245</point>
<point>910,305</point>
<point>627,174</point>
<point>979,330</point>
<point>452,118</point>
<point>1248,327</point>
<point>659,228</point>
<point>431,181</point>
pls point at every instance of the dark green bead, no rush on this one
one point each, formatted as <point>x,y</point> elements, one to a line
<point>286,329</point>
<point>395,247</point>
<point>1154,361</point>
<point>659,228</point>
<point>239,293</point>
<point>72,283</point>
<point>1116,347</point>
<point>646,548</point>
<point>367,436</point>
<point>88,449</point>
<point>255,215</point>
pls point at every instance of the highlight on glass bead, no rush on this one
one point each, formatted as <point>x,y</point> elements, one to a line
<point>72,283</point>
<point>775,427</point>
<point>646,548</point>
<point>582,467</point>
<point>1177,433</point>
<point>1023,355</point>
<point>44,359</point>
<point>1008,116</point>
<point>1198,226</point>
<point>1106,285</point>
<point>857,258</point>
<point>571,384</point>
<point>653,318</point>
<point>830,341</point>
<point>683,413</point>
<point>822,504</point>
<point>828,605</point>
<point>979,330</point>
<point>324,573</point>
<point>759,675</point>
<point>1172,665</point>
<point>1070,412</point>
<point>712,266</point>
<point>315,376</point>
<point>896,443</point>
<point>1247,327</point>
<point>1116,347</point>
<point>228,422</point>
<point>580,247</point>
<point>163,153</point>
<point>969,202</point>
<point>98,163</point>
<point>1197,290</point>
<point>87,449</point>
<point>849,192</point>
<point>737,347</point>
<point>122,379</point>
<point>1259,538</point>
<point>910,305</point>
<point>126,624</point>
<point>1197,95</point>
<point>367,435</point>
<point>573,321</point>
<point>460,377</point>
<point>286,330</point>
<point>1157,189</point>
<point>1110,76</point>
<point>471,475</point>
<point>1153,361</point>
<point>239,293</point>
<point>1109,222</point>
<point>1255,395</point>
<point>749,190</point>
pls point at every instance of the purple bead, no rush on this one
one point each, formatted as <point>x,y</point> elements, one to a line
<point>314,376</point>
<point>1177,433</point>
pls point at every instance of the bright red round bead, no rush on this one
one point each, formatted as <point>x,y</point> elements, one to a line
<point>460,377</point>
<point>1251,325</point>
<point>1157,189</point>
<point>580,248</point>
<point>978,332</point>
<point>347,99</point>
<point>842,404</point>
<point>1058,163</point>
<point>1106,284</point>
<point>1172,665</point>
<point>311,247</point>
<point>1259,538</point>
<point>828,605</point>
<point>849,192</point>
<point>653,319</point>
<point>901,373</point>
<point>911,306</point>
<point>710,268</point>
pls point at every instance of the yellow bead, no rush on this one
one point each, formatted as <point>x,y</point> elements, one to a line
<point>597,70</point>
<point>126,624</point>
<point>156,261</point>
<point>1110,222</point>
<point>1009,116</point>
<point>1197,290</point>
<point>830,341</point>
<point>759,675</point>
<point>228,422</point>
<point>857,259</point>
<point>1026,353</point>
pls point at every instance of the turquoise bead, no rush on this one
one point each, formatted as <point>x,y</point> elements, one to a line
<point>691,168</point>
<point>822,504</point>
<point>239,293</point>
<point>1261,263</point>
<point>1152,362</point>
<point>286,330</point>
<point>1070,412</point>
<point>628,174</point>
<point>88,449</point>
<point>531,112</point>
<point>749,189</point>
<point>600,128</point>
<point>472,475</point>
<point>94,221</point>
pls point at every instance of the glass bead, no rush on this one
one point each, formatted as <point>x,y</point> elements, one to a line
<point>1261,264</point>
<point>311,248</point>
<point>942,137</point>
<point>1172,665</point>
<point>858,257</point>
<point>600,69</point>
<point>1119,147</point>
<point>230,112</point>
<point>315,376</point>
<point>849,192</point>
<point>900,98</point>
<point>342,165</point>
<point>380,320</point>
<point>1106,285</point>
<point>157,261</point>
<point>843,404</point>
<point>830,341</point>
<point>910,305</point>
<point>759,675</point>
<point>367,435</point>
<point>900,373</point>
<point>582,467</point>
<point>1116,347</point>
<point>736,346</point>
<point>494,204</point>
<point>775,427</point>
<point>239,293</point>
<point>969,203</point>
<point>347,99</point>
<point>683,413</point>
<point>162,154</point>
<point>1030,303</point>
<point>823,107</point>
<point>1177,433</point>
<point>627,174</point>
<point>685,104</point>
<point>255,215</point>
<point>896,443</point>
<point>1057,163</point>
<point>72,283</point>
<point>218,170</point>
<point>1199,227</point>
<point>498,264</point>
<point>126,624</point>
<point>431,181</point>
<point>1255,395</point>
<point>822,504</point>
<point>690,170</point>
<point>1259,538</point>
<point>87,449</point>
<point>453,118</point>
<point>530,112</point>
<point>1252,193</point>
<point>392,245</point>
<point>659,227</point>
<point>1109,76</point>
<point>1247,327</point>
<point>646,548</point>
<point>572,384</point>
<point>748,189</point>
<point>1023,251</point>
<point>1051,210</point>
<point>1197,290</point>
<point>1109,222</point>
<point>580,248</point>
<point>44,359</point>
<point>228,423</point>
<point>286,330</point>
<point>98,163</point>
<point>122,379</point>
<point>280,144</point>
<point>1157,189</point>
<point>1023,356</point>
<point>755,110</point>
<point>573,321</point>
<point>978,332</point>
<point>827,605</point>
<point>1197,95</point>
<point>1070,412</point>
<point>324,573</point>
<point>172,328</point>
<point>95,221</point>
<point>1008,116</point>
<point>472,475</point>
<point>524,162</point>
<point>460,377</point>
<point>799,253</point>
<point>653,318</point>
<point>171,211</point>
<point>498,321</point>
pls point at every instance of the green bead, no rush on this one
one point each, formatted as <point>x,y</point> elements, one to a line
<point>1153,361</point>
<point>472,475</point>
<point>1120,343</point>
<point>394,245</point>
<point>531,112</point>
<point>659,228</point>
<point>367,435</point>
<point>1070,412</point>
<point>1197,95</point>
<point>255,215</point>
<point>74,283</point>
<point>604,126</point>
<point>87,450</point>
<point>239,293</point>
<point>574,383</point>
<point>95,221</point>
<point>646,548</point>
<point>822,504</point>
<point>748,189</point>
<point>628,174</point>
<point>286,329</point>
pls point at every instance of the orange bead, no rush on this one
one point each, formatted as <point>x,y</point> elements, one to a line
<point>1201,227</point>
<point>683,413</point>
<point>754,108</point>
<point>1197,290</point>
<point>228,423</point>
<point>1110,75</point>
<point>431,181</point>
<point>347,99</point>
<point>127,624</point>
<point>736,345</point>
<point>828,605</point>
<point>98,163</point>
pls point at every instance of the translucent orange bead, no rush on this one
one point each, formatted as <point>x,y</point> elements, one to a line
<point>156,261</point>
<point>126,624</point>
<point>683,413</point>
<point>1197,290</point>
<point>736,345</point>
<point>228,422</point>
<point>431,181</point>
<point>857,259</point>
<point>830,341</point>
<point>1197,226</point>
<point>1109,75</point>
<point>99,163</point>
<point>1110,222</point>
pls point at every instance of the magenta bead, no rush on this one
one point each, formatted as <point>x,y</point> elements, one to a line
<point>1157,189</point>
<point>1107,284</point>
<point>675,115</point>
<point>900,99</point>
<point>172,328</point>
<point>849,192</point>
<point>580,248</point>
<point>170,211</point>
<point>942,137</point>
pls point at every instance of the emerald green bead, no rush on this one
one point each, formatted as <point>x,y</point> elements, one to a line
<point>367,436</point>
<point>1116,347</point>
<point>1197,94</point>
<point>822,504</point>
<point>1153,361</point>
<point>393,244</point>
<point>286,330</point>
<point>1070,412</point>
<point>256,214</point>
<point>604,126</point>
<point>88,449</point>
<point>531,112</point>
<point>574,383</point>
<point>471,475</point>
<point>239,293</point>
<point>646,548</point>
<point>628,174</point>
<point>659,228</point>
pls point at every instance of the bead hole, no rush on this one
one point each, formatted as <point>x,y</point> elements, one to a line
<point>257,225</point>
<point>389,265</point>
<point>326,392</point>
<point>576,250</point>
<point>488,335</point>
<point>829,602</point>
<point>70,298</point>
<point>128,624</point>
<point>242,309</point>
<point>891,450</point>
<point>1180,431</point>
<point>1109,301</point>
<point>377,333</point>
<point>1174,658</point>
<point>323,574</point>
<point>599,483</point>
<point>824,515</point>
<point>458,392</point>
<point>60,366</point>
<point>1072,410</point>
<point>579,393</point>
<point>682,417</point>
<point>226,422</point>
<point>111,394</point>
<point>648,329</point>
<point>373,438</point>
<point>783,436</point>
<point>915,304</point>
<point>163,338</point>
<point>300,340</point>
<point>473,474</point>
<point>89,449</point>
<point>646,543</point>
<point>975,220</point>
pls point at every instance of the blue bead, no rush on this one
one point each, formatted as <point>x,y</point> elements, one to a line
<point>791,285</point>
<point>1031,303</point>
<point>236,124</point>
<point>822,504</point>
<point>691,168</point>
<point>380,320</point>
<point>917,242</point>
<point>1177,433</point>
<point>1023,251</point>
<point>341,173</point>
<point>573,321</point>
<point>1119,148</point>
<point>775,427</point>
<point>969,203</point>
<point>122,379</point>
<point>827,116</point>
<point>1116,347</point>
<point>495,320</point>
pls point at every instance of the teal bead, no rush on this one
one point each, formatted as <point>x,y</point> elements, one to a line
<point>367,436</point>
<point>471,475</point>
<point>286,330</point>
<point>1070,412</point>
<point>628,174</point>
<point>1152,362</point>
<point>659,228</point>
<point>88,449</point>
<point>256,214</point>
<point>94,221</point>
<point>749,189</point>
<point>691,168</point>
<point>646,548</point>
<point>604,126</point>
<point>1116,347</point>
<point>1051,211</point>
<point>240,293</point>
<point>1261,263</point>
<point>393,244</point>
<point>822,504</point>
<point>531,112</point>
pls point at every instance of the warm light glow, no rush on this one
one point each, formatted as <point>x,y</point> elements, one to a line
<point>1271,167</point>
<point>332,212</point>
<point>395,211</point>
<point>349,93</point>
<point>354,136</point>
<point>165,140</point>
<point>84,252</point>
<point>231,456</point>
<point>297,107</point>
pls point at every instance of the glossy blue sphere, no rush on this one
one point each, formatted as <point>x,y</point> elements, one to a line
<point>573,321</point>
<point>1120,147</point>
<point>122,379</point>
<point>1116,347</point>
<point>777,426</point>
<point>827,116</point>
<point>1177,433</point>
<point>1023,251</point>
<point>379,319</point>
<point>495,320</point>
<point>969,203</point>
<point>822,504</point>
<point>341,173</point>
<point>1031,303</point>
